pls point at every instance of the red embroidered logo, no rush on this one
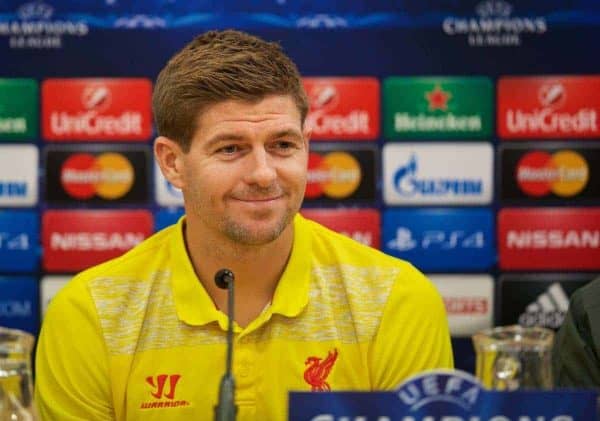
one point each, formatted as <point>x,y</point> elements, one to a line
<point>163,389</point>
<point>318,369</point>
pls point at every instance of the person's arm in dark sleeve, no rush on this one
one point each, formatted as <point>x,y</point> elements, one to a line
<point>575,360</point>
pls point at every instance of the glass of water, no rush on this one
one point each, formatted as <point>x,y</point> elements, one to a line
<point>16,389</point>
<point>514,357</point>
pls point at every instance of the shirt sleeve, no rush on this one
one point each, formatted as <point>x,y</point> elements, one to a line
<point>72,378</point>
<point>413,335</point>
<point>574,359</point>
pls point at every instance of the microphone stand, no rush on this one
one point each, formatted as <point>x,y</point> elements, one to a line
<point>226,410</point>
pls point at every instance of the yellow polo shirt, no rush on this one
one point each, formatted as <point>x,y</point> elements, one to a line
<point>138,337</point>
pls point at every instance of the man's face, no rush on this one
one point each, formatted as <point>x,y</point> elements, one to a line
<point>245,174</point>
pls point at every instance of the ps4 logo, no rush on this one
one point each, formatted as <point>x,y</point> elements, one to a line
<point>407,183</point>
<point>437,240</point>
<point>15,308</point>
<point>12,242</point>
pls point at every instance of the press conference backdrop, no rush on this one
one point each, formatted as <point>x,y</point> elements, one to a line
<point>460,135</point>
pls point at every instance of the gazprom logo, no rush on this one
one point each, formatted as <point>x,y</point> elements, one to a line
<point>13,189</point>
<point>408,183</point>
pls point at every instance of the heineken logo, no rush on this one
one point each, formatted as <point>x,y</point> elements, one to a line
<point>438,99</point>
<point>438,108</point>
<point>18,109</point>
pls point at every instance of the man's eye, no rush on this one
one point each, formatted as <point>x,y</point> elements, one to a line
<point>284,145</point>
<point>229,149</point>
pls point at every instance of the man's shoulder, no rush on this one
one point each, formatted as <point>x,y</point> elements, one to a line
<point>329,244</point>
<point>129,267</point>
<point>365,266</point>
<point>585,300</point>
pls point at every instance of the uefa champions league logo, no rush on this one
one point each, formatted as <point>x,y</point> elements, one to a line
<point>449,392</point>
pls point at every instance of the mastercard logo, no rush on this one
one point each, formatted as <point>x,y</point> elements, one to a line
<point>564,173</point>
<point>336,175</point>
<point>108,175</point>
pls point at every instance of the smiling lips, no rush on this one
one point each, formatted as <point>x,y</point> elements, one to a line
<point>259,199</point>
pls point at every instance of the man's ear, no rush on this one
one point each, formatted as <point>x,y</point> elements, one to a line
<point>306,133</point>
<point>169,157</point>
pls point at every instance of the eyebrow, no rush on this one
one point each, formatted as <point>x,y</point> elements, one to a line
<point>236,137</point>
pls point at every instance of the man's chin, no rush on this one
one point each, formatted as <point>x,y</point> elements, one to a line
<point>255,233</point>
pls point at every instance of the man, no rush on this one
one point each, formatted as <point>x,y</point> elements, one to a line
<point>576,353</point>
<point>142,337</point>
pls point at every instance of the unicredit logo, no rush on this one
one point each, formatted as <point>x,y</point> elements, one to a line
<point>326,97</point>
<point>95,97</point>
<point>343,108</point>
<point>547,119</point>
<point>323,97</point>
<point>552,95</point>
<point>548,106</point>
<point>98,109</point>
<point>92,124</point>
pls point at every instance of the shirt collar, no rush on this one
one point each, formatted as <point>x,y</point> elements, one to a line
<point>192,303</point>
<point>195,307</point>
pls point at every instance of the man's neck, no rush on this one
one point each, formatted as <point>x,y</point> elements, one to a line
<point>257,269</point>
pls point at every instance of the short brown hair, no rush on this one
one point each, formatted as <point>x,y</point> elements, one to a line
<point>218,66</point>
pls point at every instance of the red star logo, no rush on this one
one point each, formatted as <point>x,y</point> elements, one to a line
<point>438,99</point>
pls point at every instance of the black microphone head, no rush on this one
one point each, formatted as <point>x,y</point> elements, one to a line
<point>223,278</point>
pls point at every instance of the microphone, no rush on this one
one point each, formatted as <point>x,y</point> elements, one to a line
<point>226,410</point>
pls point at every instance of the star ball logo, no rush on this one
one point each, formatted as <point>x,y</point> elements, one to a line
<point>493,25</point>
<point>108,175</point>
<point>564,173</point>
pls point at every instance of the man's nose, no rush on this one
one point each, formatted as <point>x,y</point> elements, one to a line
<point>261,169</point>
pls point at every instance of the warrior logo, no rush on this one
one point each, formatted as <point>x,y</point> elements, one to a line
<point>318,369</point>
<point>162,398</point>
<point>161,379</point>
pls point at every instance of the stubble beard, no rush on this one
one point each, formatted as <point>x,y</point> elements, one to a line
<point>243,234</point>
